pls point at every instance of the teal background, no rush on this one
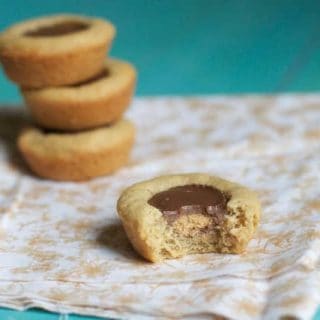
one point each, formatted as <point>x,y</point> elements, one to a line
<point>201,46</point>
<point>196,47</point>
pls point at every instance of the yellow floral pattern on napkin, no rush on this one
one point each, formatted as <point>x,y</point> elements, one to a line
<point>62,246</point>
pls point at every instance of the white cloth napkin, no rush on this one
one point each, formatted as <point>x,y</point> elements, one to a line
<point>62,246</point>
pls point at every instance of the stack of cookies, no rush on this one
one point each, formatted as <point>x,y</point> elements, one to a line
<point>75,94</point>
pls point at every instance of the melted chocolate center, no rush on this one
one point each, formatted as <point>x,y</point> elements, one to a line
<point>190,199</point>
<point>99,76</point>
<point>58,29</point>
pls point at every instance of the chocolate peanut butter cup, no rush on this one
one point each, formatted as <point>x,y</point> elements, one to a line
<point>77,156</point>
<point>55,50</point>
<point>172,216</point>
<point>94,102</point>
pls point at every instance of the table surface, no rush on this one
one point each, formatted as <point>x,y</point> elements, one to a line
<point>190,47</point>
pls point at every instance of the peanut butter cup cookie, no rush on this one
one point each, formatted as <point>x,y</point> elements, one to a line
<point>172,216</point>
<point>55,50</point>
<point>97,101</point>
<point>77,156</point>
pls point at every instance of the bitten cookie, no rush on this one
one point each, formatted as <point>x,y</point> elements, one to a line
<point>55,50</point>
<point>88,104</point>
<point>172,216</point>
<point>77,156</point>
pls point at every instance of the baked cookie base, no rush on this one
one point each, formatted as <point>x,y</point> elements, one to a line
<point>155,239</point>
<point>85,106</point>
<point>54,70</point>
<point>77,156</point>
<point>42,61</point>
